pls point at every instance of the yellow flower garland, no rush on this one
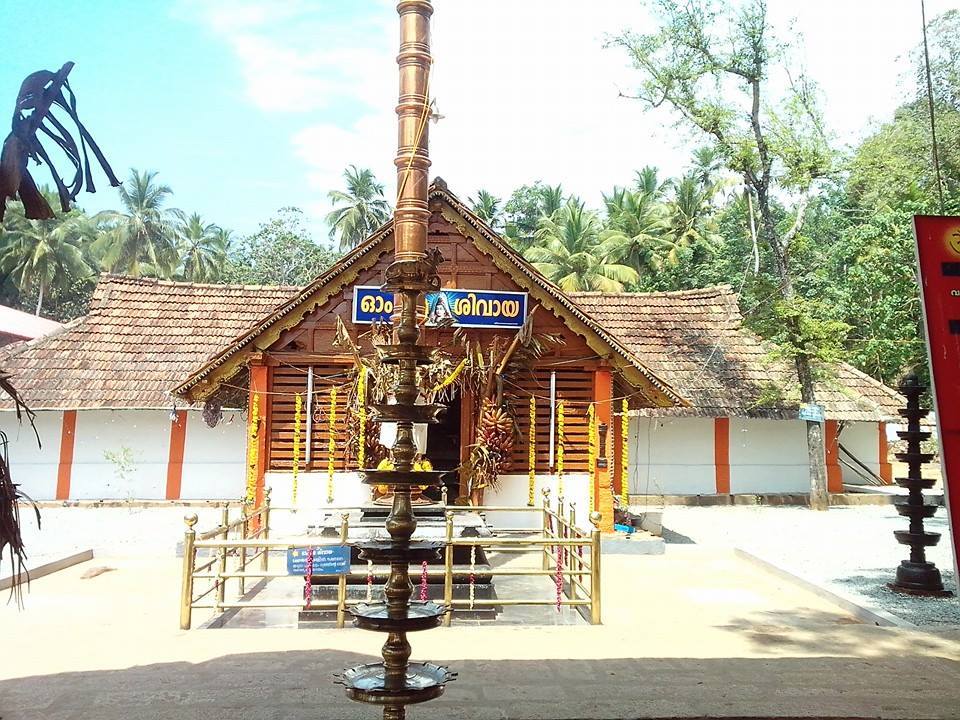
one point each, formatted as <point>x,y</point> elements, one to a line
<point>253,449</point>
<point>297,423</point>
<point>591,450</point>
<point>362,418</point>
<point>560,439</point>
<point>624,451</point>
<point>451,378</point>
<point>532,452</point>
<point>332,443</point>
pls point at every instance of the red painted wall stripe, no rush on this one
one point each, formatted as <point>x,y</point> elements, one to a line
<point>886,469</point>
<point>721,454</point>
<point>68,433</point>
<point>834,472</point>
<point>178,438</point>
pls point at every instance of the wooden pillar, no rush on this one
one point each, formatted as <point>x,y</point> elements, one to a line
<point>832,444</point>
<point>721,454</point>
<point>259,385</point>
<point>68,432</point>
<point>466,437</point>
<point>178,438</point>
<point>603,406</point>
<point>886,469</point>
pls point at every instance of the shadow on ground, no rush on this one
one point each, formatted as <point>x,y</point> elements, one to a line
<point>297,685</point>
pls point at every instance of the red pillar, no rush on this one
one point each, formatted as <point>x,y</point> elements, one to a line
<point>178,439</point>
<point>68,432</point>
<point>608,454</point>
<point>721,454</point>
<point>832,443</point>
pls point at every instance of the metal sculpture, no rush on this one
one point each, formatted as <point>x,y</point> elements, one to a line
<point>916,576</point>
<point>39,94</point>
<point>396,682</point>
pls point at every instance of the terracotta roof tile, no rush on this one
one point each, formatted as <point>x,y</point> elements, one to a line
<point>694,339</point>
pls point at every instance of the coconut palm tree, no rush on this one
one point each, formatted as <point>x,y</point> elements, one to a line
<point>566,251</point>
<point>362,208</point>
<point>691,222</point>
<point>488,208</point>
<point>44,254</point>
<point>552,199</point>
<point>203,249</point>
<point>140,240</point>
<point>635,235</point>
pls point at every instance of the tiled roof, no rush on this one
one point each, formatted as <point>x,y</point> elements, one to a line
<point>16,323</point>
<point>140,338</point>
<point>695,341</point>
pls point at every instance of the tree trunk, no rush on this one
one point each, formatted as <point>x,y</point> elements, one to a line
<point>40,298</point>
<point>816,451</point>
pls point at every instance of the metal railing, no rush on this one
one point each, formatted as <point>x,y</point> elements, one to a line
<point>569,553</point>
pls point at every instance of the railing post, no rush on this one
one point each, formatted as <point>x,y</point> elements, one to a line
<point>186,585</point>
<point>244,528</point>
<point>222,553</point>
<point>265,532</point>
<point>595,518</point>
<point>573,561</point>
<point>448,570</point>
<point>342,580</point>
<point>546,525</point>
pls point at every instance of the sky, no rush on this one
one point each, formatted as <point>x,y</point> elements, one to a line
<point>247,106</point>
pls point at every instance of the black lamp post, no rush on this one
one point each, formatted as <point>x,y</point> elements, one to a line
<point>916,576</point>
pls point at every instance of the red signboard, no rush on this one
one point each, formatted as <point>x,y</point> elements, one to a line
<point>938,253</point>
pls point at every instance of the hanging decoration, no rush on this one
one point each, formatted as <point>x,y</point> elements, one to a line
<point>473,577</point>
<point>532,453</point>
<point>559,577</point>
<point>297,425</point>
<point>423,582</point>
<point>560,439</point>
<point>624,452</point>
<point>332,442</point>
<point>591,451</point>
<point>369,580</point>
<point>308,584</point>
<point>362,418</point>
<point>253,450</point>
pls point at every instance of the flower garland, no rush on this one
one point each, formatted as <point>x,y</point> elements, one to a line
<point>423,582</point>
<point>369,580</point>
<point>297,423</point>
<point>560,433</point>
<point>624,451</point>
<point>559,576</point>
<point>362,418</point>
<point>473,577</point>
<point>332,443</point>
<point>532,453</point>
<point>253,450</point>
<point>591,450</point>
<point>308,585</point>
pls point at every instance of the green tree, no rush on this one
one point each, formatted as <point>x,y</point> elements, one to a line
<point>524,209</point>
<point>566,251</point>
<point>488,208</point>
<point>361,209</point>
<point>690,221</point>
<point>281,252</point>
<point>710,64</point>
<point>140,239</point>
<point>203,249</point>
<point>635,234</point>
<point>43,255</point>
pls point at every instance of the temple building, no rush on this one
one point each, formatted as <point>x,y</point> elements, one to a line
<point>179,391</point>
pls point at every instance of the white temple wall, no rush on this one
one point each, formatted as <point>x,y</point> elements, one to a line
<point>32,467</point>
<point>672,456</point>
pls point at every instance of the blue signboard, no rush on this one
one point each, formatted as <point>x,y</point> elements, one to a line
<point>466,308</point>
<point>327,560</point>
<point>810,412</point>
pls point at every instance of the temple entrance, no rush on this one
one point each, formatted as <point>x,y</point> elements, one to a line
<point>443,445</point>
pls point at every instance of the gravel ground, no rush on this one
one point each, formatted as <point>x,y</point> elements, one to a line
<point>849,549</point>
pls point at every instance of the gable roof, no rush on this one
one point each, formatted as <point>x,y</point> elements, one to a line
<point>140,337</point>
<point>202,381</point>
<point>696,341</point>
<point>24,326</point>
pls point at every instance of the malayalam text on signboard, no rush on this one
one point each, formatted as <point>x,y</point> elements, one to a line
<point>938,253</point>
<point>327,560</point>
<point>465,308</point>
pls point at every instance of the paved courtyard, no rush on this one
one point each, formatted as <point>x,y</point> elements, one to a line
<point>692,633</point>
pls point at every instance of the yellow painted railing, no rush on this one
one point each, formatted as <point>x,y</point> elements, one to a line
<point>569,553</point>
